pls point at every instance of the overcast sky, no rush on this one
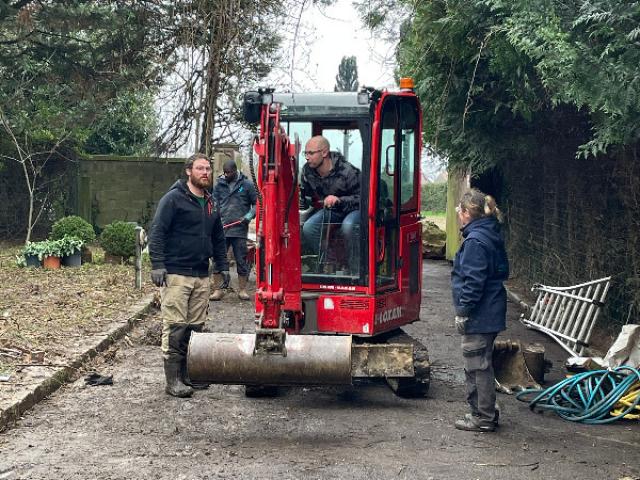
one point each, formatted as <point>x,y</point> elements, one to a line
<point>329,33</point>
<point>337,31</point>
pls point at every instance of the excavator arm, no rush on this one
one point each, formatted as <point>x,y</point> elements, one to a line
<point>278,281</point>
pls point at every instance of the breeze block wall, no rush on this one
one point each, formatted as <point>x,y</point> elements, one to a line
<point>124,188</point>
<point>111,188</point>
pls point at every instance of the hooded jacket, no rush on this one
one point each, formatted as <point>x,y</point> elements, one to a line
<point>184,234</point>
<point>235,203</point>
<point>343,181</point>
<point>479,269</point>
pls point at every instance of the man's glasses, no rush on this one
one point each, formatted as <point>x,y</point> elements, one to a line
<point>308,153</point>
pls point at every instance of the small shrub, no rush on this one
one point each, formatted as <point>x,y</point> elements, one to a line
<point>35,249</point>
<point>73,226</point>
<point>119,239</point>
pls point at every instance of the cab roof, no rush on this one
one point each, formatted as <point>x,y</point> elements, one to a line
<point>329,105</point>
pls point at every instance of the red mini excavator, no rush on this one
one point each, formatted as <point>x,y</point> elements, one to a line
<point>331,313</point>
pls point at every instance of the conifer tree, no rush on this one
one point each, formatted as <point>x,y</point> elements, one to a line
<point>347,78</point>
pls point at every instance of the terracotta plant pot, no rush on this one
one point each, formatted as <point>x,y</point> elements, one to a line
<point>51,263</point>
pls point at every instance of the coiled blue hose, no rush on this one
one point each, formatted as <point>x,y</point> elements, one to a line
<point>587,397</point>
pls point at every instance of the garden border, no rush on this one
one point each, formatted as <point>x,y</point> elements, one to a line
<point>39,391</point>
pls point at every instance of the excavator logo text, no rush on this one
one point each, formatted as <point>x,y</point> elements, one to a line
<point>388,315</point>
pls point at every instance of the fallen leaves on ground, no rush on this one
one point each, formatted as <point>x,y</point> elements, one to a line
<point>54,310</point>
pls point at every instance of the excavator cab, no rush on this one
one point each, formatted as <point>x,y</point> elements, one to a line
<point>378,132</point>
<point>334,256</point>
<point>330,311</point>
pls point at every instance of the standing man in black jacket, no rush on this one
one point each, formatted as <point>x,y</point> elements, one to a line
<point>185,234</point>
<point>235,197</point>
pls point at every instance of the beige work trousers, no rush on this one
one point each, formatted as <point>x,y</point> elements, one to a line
<point>185,301</point>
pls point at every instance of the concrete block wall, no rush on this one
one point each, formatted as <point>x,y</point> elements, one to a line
<point>114,188</point>
<point>124,188</point>
<point>101,189</point>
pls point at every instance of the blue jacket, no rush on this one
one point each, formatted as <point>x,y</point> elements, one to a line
<point>235,203</point>
<point>185,234</point>
<point>479,270</point>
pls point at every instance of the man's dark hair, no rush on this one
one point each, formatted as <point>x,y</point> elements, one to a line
<point>188,164</point>
<point>229,166</point>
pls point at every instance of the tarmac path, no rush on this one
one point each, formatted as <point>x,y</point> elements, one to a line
<point>133,430</point>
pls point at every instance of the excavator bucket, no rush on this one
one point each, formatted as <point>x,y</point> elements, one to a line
<point>233,359</point>
<point>270,357</point>
<point>516,367</point>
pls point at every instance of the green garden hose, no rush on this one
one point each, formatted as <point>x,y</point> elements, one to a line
<point>593,397</point>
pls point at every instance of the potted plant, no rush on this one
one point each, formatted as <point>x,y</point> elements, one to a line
<point>78,227</point>
<point>52,254</point>
<point>71,247</point>
<point>118,239</point>
<point>33,253</point>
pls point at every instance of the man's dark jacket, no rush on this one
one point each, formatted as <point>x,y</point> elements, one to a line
<point>479,270</point>
<point>343,181</point>
<point>235,203</point>
<point>184,234</point>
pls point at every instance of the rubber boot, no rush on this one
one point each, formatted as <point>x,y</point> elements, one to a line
<point>218,293</point>
<point>242,288</point>
<point>469,424</point>
<point>183,370</point>
<point>173,375</point>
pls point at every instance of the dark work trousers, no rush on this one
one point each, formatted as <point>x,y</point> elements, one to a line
<point>477,351</point>
<point>239,246</point>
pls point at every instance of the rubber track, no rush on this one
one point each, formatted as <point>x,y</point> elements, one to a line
<point>417,386</point>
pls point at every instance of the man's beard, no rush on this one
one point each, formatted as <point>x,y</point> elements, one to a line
<point>200,182</point>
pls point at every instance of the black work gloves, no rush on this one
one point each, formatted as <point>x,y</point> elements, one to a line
<point>226,279</point>
<point>95,379</point>
<point>159,277</point>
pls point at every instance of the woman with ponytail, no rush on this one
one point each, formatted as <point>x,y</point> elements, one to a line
<point>480,301</point>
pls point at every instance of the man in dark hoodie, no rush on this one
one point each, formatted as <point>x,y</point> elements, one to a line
<point>185,234</point>
<point>331,184</point>
<point>480,301</point>
<point>235,197</point>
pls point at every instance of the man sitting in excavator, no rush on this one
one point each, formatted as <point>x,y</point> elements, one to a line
<point>332,184</point>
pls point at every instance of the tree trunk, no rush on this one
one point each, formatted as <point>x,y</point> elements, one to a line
<point>31,187</point>
<point>221,27</point>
